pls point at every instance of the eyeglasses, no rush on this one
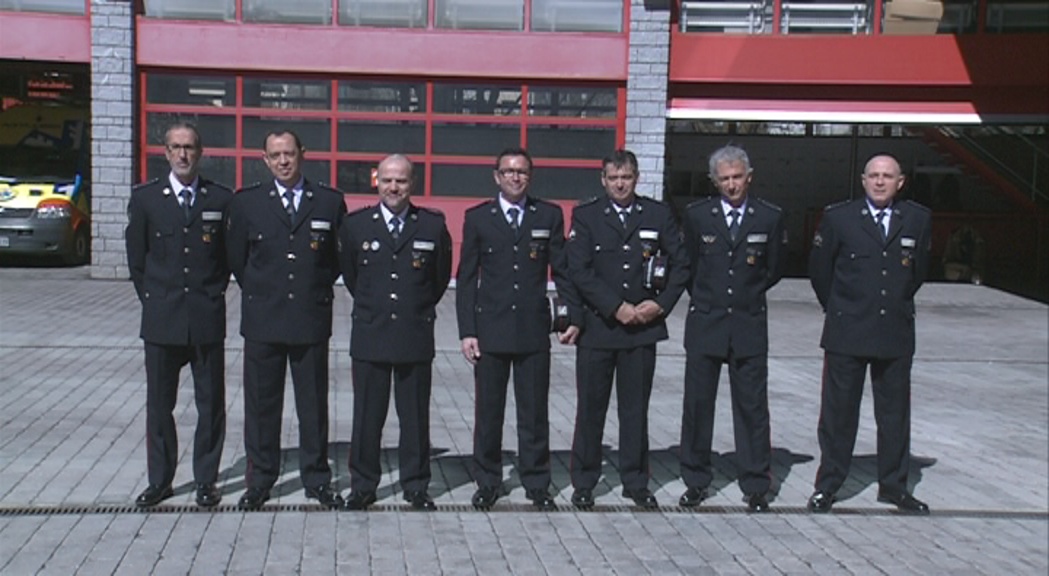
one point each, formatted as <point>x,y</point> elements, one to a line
<point>508,172</point>
<point>177,148</point>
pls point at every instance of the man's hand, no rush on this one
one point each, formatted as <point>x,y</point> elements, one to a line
<point>569,336</point>
<point>626,314</point>
<point>648,311</point>
<point>471,350</point>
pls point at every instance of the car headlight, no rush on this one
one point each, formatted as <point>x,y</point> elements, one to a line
<point>54,210</point>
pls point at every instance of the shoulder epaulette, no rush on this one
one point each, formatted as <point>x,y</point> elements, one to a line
<point>329,188</point>
<point>251,186</point>
<point>769,205</point>
<point>432,211</point>
<point>360,209</point>
<point>698,203</point>
<point>917,205</point>
<point>144,184</point>
<point>485,204</point>
<point>836,205</point>
<point>590,200</point>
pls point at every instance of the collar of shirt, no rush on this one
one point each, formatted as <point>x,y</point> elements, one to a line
<point>387,215</point>
<point>296,190</point>
<point>624,210</point>
<point>874,211</point>
<point>505,206</point>
<point>728,208</point>
<point>178,187</point>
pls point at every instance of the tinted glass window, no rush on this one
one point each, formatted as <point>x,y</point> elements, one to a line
<point>215,131</point>
<point>477,99</point>
<point>390,137</point>
<point>216,91</point>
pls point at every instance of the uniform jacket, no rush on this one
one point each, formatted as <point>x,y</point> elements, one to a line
<point>865,285</point>
<point>179,269</point>
<point>285,271</point>
<point>605,262</point>
<point>729,278</point>
<point>500,295</point>
<point>395,284</point>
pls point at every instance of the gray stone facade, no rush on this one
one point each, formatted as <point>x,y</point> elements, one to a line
<point>112,133</point>
<point>646,92</point>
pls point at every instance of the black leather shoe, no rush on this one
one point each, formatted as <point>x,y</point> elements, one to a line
<point>253,499</point>
<point>359,500</point>
<point>325,496</point>
<point>583,498</point>
<point>693,497</point>
<point>905,503</point>
<point>541,499</point>
<point>420,500</point>
<point>485,497</point>
<point>642,497</point>
<point>757,503</point>
<point>820,502</point>
<point>153,495</point>
<point>207,495</point>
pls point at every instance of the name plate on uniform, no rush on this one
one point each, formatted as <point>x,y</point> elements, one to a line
<point>423,245</point>
<point>648,234</point>
<point>907,242</point>
<point>757,238</point>
<point>211,216</point>
<point>320,225</point>
<point>541,234</point>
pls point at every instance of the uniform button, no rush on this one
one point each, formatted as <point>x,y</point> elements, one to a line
<point>185,270</point>
<point>516,267</point>
<point>186,289</point>
<point>291,256</point>
<point>852,256</point>
<point>626,286</point>
<point>626,247</point>
<point>729,310</point>
<point>393,276</point>
<point>884,272</point>
<point>393,315</point>
<point>185,230</point>
<point>291,276</point>
<point>626,266</point>
<point>882,311</point>
<point>730,253</point>
<point>515,286</point>
<point>185,250</point>
<point>882,291</point>
<point>291,236</point>
<point>730,291</point>
<point>393,296</point>
<point>515,248</point>
<point>513,306</point>
<point>884,253</point>
<point>394,256</point>
<point>731,271</point>
<point>291,295</point>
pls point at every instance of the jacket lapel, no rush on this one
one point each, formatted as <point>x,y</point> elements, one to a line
<point>867,223</point>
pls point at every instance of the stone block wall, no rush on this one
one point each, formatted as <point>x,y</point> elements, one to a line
<point>646,108</point>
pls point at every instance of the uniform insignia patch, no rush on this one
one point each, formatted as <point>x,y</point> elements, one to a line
<point>537,233</point>
<point>757,238</point>
<point>211,216</point>
<point>320,225</point>
<point>423,245</point>
<point>375,245</point>
<point>648,234</point>
<point>709,238</point>
<point>817,240</point>
<point>907,242</point>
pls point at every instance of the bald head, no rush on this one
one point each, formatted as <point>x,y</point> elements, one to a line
<point>394,177</point>
<point>882,180</point>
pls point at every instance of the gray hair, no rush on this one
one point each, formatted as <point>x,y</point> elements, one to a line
<point>730,154</point>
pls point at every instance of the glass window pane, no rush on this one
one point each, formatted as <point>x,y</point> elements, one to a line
<point>573,102</point>
<point>287,94</point>
<point>391,137</point>
<point>282,11</point>
<point>477,99</point>
<point>221,169</point>
<point>571,141</point>
<point>362,96</point>
<point>463,180</point>
<point>215,131</point>
<point>314,134</point>
<point>386,13</point>
<point>480,14</point>
<point>255,170</point>
<point>577,15</point>
<point>566,183</point>
<point>831,17</point>
<point>474,139</point>
<point>1030,16</point>
<point>54,6</point>
<point>355,176</point>
<point>218,91</point>
<point>190,9</point>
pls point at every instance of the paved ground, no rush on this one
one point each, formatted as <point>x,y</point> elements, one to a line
<point>72,459</point>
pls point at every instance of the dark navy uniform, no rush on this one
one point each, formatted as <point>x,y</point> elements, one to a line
<point>396,285</point>
<point>727,323</point>
<point>866,286</point>
<point>285,271</point>
<point>605,259</point>
<point>501,299</point>
<point>180,274</point>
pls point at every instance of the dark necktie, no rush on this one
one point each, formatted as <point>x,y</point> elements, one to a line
<point>289,205</point>
<point>187,202</point>
<point>623,215</point>
<point>395,227</point>
<point>733,228</point>
<point>512,214</point>
<point>881,224</point>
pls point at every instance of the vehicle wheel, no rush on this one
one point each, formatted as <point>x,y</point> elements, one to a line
<point>80,252</point>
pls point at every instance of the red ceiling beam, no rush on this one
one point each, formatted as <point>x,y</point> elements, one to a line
<point>373,51</point>
<point>48,37</point>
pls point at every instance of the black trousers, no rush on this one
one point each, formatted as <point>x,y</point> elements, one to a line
<point>748,382</point>
<point>843,378</point>
<point>265,368</point>
<point>163,364</point>
<point>633,369</point>
<point>531,392</point>
<point>371,403</point>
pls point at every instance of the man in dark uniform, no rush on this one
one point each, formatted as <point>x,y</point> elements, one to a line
<point>869,257</point>
<point>283,249</point>
<point>396,262</point>
<point>736,249</point>
<point>177,260</point>
<point>510,245</point>
<point>611,243</point>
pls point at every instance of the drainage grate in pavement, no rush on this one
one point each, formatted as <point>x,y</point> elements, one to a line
<point>80,510</point>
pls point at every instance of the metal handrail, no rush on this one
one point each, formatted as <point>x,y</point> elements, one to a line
<point>973,144</point>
